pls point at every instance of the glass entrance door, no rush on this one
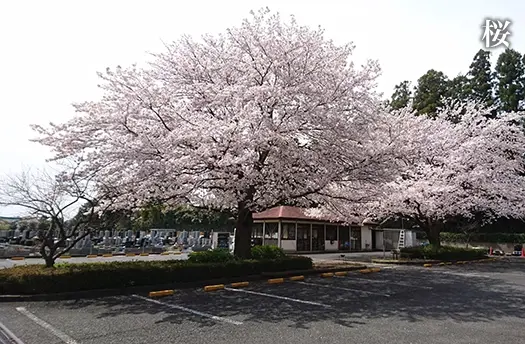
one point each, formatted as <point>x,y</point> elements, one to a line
<point>317,237</point>
<point>303,237</point>
<point>356,238</point>
<point>344,238</point>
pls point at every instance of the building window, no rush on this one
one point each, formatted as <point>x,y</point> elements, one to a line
<point>271,233</point>
<point>331,233</point>
<point>288,231</point>
<point>257,230</point>
<point>271,230</point>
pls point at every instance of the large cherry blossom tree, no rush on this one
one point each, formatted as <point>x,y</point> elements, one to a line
<point>463,167</point>
<point>267,112</point>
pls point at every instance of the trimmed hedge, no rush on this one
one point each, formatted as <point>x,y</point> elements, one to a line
<point>442,253</point>
<point>36,279</point>
<point>267,252</point>
<point>218,255</point>
<point>515,238</point>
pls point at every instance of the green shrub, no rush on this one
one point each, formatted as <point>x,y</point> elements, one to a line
<point>218,255</point>
<point>267,252</point>
<point>36,279</point>
<point>514,238</point>
<point>442,253</point>
<point>453,237</point>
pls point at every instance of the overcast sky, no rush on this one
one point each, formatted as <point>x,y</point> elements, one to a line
<point>51,50</point>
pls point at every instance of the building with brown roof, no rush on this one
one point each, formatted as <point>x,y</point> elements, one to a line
<point>292,229</point>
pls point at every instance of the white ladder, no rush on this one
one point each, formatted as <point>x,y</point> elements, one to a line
<point>401,242</point>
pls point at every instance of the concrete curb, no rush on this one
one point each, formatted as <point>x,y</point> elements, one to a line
<point>161,293</point>
<point>239,284</point>
<point>430,263</point>
<point>403,262</point>
<point>276,280</point>
<point>313,271</point>
<point>214,287</point>
<point>292,278</point>
<point>97,293</point>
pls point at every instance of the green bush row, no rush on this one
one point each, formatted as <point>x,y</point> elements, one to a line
<point>224,255</point>
<point>211,256</point>
<point>36,279</point>
<point>513,238</point>
<point>442,253</point>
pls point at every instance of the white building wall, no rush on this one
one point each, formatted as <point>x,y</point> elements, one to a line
<point>379,240</point>
<point>331,245</point>
<point>410,239</point>
<point>289,245</point>
<point>366,238</point>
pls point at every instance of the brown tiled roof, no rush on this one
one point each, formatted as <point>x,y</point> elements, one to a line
<point>286,212</point>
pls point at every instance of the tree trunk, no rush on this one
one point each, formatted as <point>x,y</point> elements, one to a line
<point>433,236</point>
<point>47,255</point>
<point>50,262</point>
<point>243,232</point>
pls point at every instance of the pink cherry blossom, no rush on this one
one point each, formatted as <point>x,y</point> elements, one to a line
<point>472,169</point>
<point>267,112</point>
<point>271,111</point>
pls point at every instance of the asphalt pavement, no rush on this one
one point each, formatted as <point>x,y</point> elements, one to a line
<point>473,303</point>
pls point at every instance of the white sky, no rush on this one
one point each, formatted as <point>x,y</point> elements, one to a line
<point>51,50</point>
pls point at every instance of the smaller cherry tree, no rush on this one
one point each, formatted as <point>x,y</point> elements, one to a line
<point>53,198</point>
<point>467,166</point>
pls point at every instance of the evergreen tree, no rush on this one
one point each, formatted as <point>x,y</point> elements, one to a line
<point>459,88</point>
<point>480,78</point>
<point>458,91</point>
<point>510,76</point>
<point>401,96</point>
<point>430,90</point>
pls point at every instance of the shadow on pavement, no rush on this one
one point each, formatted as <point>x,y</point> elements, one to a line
<point>459,298</point>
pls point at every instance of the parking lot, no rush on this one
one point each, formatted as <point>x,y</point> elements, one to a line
<point>472,303</point>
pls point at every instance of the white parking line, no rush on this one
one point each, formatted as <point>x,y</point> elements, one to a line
<point>278,297</point>
<point>388,282</point>
<point>202,314</point>
<point>64,337</point>
<point>11,336</point>
<point>342,288</point>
